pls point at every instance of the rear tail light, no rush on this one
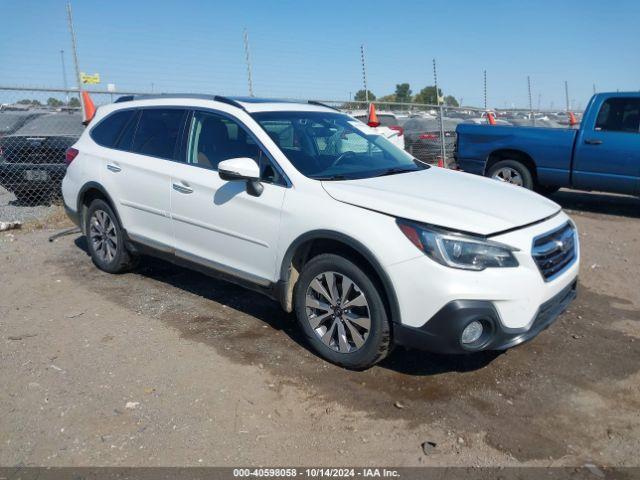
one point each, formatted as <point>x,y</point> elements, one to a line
<point>398,129</point>
<point>70,155</point>
<point>428,136</point>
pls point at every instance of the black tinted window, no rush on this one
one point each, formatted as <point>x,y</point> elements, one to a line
<point>126,137</point>
<point>619,115</point>
<point>158,131</point>
<point>107,132</point>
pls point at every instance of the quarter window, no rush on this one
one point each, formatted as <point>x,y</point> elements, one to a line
<point>158,131</point>
<point>619,115</point>
<point>107,132</point>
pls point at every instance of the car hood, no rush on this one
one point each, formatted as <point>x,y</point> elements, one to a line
<point>446,198</point>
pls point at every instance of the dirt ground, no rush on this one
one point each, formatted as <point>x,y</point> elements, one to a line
<point>164,366</point>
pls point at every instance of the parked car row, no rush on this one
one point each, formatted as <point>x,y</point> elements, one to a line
<point>32,152</point>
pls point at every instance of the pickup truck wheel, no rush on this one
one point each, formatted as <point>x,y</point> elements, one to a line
<point>511,171</point>
<point>341,312</point>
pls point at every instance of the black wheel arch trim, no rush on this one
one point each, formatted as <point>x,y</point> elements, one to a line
<point>517,151</point>
<point>92,185</point>
<point>356,245</point>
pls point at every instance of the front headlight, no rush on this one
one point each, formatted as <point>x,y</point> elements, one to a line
<point>458,250</point>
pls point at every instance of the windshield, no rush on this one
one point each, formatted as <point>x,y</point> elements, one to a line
<point>334,146</point>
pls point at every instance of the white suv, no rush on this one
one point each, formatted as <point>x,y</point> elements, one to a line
<point>368,246</point>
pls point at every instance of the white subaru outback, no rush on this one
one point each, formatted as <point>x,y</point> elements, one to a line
<point>369,246</point>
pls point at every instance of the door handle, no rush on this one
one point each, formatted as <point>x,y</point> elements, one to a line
<point>592,141</point>
<point>113,168</point>
<point>181,188</point>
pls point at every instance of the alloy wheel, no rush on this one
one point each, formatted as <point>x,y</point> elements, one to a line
<point>338,312</point>
<point>103,236</point>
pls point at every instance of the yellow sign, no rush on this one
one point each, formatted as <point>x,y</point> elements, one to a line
<point>90,79</point>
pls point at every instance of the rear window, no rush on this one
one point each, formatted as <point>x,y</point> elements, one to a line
<point>107,132</point>
<point>11,121</point>
<point>619,115</point>
<point>54,124</point>
<point>158,131</point>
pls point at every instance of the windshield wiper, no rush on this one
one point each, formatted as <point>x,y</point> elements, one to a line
<point>395,170</point>
<point>331,177</point>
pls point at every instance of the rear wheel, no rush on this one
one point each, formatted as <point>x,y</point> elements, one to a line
<point>105,239</point>
<point>511,171</point>
<point>342,312</point>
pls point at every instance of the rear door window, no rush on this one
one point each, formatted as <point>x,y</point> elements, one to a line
<point>619,115</point>
<point>108,131</point>
<point>158,131</point>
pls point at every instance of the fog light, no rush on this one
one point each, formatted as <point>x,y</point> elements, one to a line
<point>471,332</point>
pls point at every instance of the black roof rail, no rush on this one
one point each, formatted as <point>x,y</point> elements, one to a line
<point>320,104</point>
<point>229,101</point>
<point>201,96</point>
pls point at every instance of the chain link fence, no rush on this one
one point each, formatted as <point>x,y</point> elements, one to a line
<point>37,126</point>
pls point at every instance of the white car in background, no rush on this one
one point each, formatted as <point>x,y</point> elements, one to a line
<point>389,126</point>
<point>367,245</point>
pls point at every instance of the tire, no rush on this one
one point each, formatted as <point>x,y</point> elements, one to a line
<point>105,239</point>
<point>519,173</point>
<point>360,347</point>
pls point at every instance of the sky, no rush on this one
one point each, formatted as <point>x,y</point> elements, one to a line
<point>311,48</point>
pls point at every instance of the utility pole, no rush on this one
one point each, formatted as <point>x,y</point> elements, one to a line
<point>566,95</point>
<point>248,59</point>
<point>364,74</point>
<point>64,76</point>
<point>533,118</point>
<point>440,113</point>
<point>485,89</point>
<point>74,47</point>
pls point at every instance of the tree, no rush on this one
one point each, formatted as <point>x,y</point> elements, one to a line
<point>403,93</point>
<point>387,98</point>
<point>451,101</point>
<point>428,95</point>
<point>361,96</point>
<point>54,102</point>
<point>26,101</point>
<point>74,102</point>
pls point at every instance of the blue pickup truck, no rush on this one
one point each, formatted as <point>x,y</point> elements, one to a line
<point>603,154</point>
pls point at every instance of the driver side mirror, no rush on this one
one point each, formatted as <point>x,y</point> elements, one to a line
<point>245,169</point>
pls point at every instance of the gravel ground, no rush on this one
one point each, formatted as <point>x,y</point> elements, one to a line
<point>11,211</point>
<point>164,366</point>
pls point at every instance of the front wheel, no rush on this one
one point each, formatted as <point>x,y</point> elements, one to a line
<point>511,171</point>
<point>341,312</point>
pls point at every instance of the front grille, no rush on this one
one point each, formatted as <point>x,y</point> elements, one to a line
<point>555,251</point>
